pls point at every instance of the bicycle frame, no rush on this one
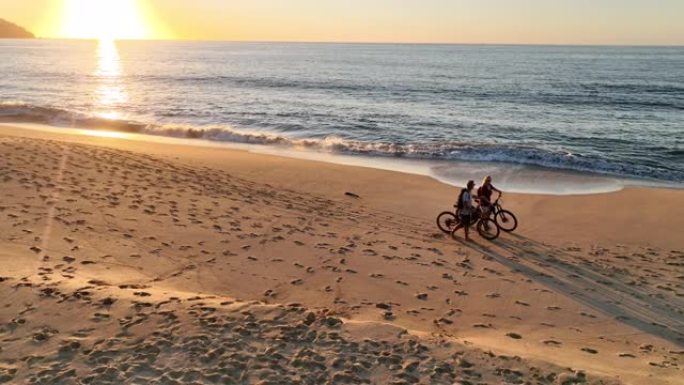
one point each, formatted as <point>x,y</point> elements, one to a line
<point>496,207</point>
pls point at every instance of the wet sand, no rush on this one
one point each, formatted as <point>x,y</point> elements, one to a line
<point>132,262</point>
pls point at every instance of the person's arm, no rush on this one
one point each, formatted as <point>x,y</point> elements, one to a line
<point>498,191</point>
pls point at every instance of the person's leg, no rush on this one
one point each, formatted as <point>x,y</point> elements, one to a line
<point>458,227</point>
<point>463,222</point>
<point>485,210</point>
<point>466,225</point>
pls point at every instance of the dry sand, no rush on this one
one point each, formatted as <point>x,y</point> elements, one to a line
<point>126,262</point>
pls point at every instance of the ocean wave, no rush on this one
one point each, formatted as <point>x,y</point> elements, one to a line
<point>20,112</point>
<point>12,111</point>
<point>666,97</point>
<point>636,88</point>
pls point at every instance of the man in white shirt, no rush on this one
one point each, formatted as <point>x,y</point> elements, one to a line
<point>465,209</point>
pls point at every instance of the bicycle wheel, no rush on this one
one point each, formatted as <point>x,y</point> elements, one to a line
<point>446,221</point>
<point>506,220</point>
<point>488,229</point>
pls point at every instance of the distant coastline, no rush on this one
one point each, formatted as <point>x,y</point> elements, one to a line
<point>10,30</point>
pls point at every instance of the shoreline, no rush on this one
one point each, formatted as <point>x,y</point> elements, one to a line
<point>516,178</point>
<point>391,189</point>
<point>592,283</point>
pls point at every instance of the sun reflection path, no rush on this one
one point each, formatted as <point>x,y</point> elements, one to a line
<point>110,94</point>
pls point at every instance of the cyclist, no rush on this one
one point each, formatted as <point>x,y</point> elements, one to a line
<point>465,209</point>
<point>484,195</point>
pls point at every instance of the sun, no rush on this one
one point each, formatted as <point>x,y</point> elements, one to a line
<point>104,20</point>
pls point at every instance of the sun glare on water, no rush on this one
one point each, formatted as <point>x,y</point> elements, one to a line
<point>111,93</point>
<point>104,20</point>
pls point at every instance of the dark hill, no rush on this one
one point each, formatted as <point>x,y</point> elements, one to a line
<point>12,31</point>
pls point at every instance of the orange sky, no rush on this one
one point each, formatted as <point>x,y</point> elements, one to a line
<point>428,21</point>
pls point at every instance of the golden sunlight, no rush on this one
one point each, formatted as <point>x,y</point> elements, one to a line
<point>104,20</point>
<point>111,94</point>
<point>105,134</point>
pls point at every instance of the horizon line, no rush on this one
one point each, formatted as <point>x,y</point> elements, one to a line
<point>341,42</point>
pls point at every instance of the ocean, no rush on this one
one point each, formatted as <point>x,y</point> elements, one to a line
<point>611,111</point>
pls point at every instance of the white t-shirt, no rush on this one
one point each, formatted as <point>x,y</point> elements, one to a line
<point>466,203</point>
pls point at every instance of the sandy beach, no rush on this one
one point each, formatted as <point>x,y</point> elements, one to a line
<point>129,262</point>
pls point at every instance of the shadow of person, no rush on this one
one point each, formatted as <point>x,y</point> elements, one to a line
<point>640,307</point>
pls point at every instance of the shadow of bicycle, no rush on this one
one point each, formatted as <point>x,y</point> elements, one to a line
<point>640,307</point>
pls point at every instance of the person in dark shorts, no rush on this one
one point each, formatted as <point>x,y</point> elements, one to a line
<point>465,209</point>
<point>484,195</point>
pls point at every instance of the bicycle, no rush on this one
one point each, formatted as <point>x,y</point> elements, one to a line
<point>486,227</point>
<point>505,219</point>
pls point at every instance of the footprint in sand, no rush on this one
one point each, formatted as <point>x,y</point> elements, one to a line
<point>589,350</point>
<point>483,326</point>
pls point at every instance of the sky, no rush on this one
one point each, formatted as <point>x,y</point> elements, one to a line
<point>621,22</point>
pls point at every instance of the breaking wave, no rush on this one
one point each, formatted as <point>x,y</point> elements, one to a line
<point>17,112</point>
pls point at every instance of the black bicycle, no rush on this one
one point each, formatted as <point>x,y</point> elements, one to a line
<point>505,219</point>
<point>486,227</point>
